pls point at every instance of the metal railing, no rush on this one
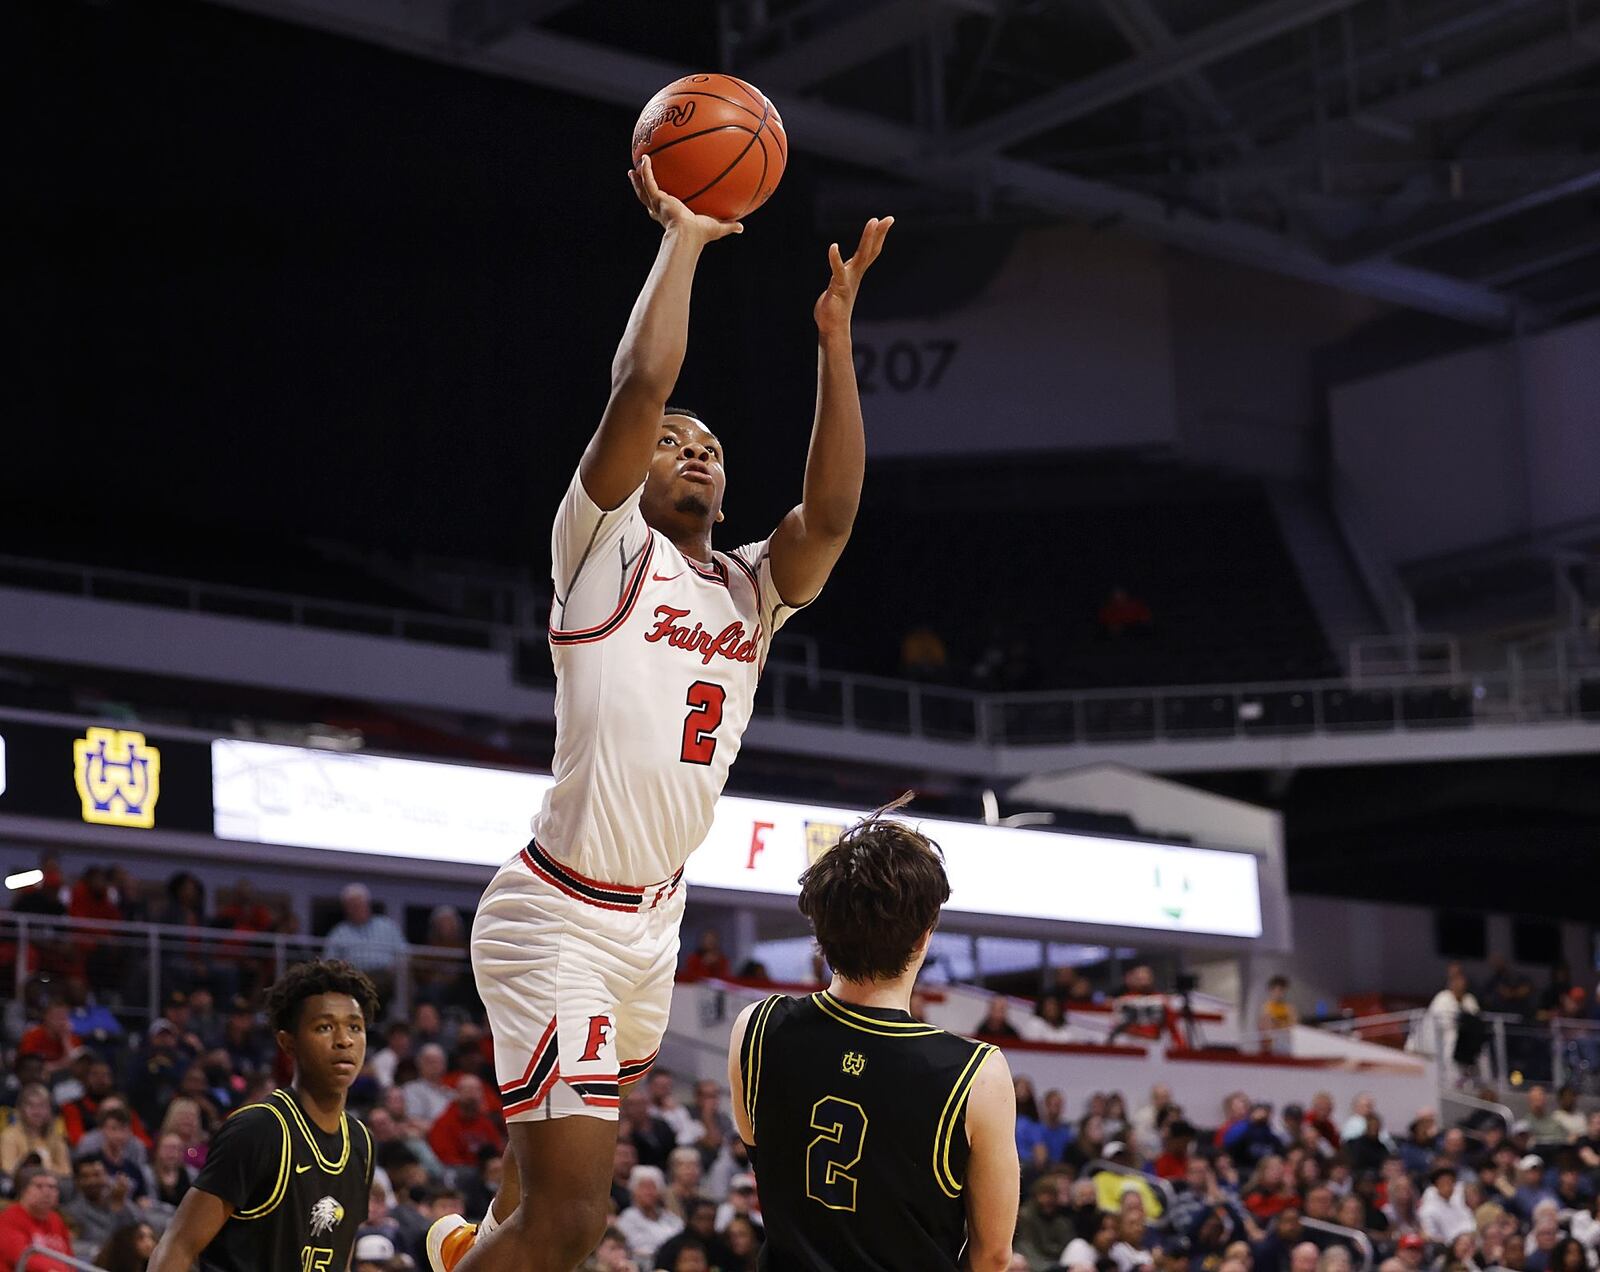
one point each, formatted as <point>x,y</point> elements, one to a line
<point>1436,696</point>
<point>131,968</point>
<point>1354,1236</point>
<point>35,1251</point>
<point>1561,1051</point>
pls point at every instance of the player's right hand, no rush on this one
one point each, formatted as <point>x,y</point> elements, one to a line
<point>673,213</point>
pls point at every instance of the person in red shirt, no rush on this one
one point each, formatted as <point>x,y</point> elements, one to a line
<point>465,1126</point>
<point>32,1220</point>
<point>708,962</point>
<point>52,1039</point>
<point>1176,1141</point>
<point>82,1115</point>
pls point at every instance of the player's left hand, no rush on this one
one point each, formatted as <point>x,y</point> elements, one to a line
<point>835,304</point>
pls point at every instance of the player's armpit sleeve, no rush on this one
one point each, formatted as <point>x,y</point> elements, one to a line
<point>247,1165</point>
<point>756,560</point>
<point>586,534</point>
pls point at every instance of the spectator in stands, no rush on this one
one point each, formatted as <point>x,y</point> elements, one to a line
<point>1270,1191</point>
<point>1531,1188</point>
<point>1121,612</point>
<point>1247,1140</point>
<point>169,1174</point>
<point>117,1151</point>
<point>1541,1125</point>
<point>1044,1143</point>
<point>1401,1206</point>
<point>1043,1228</point>
<point>647,1223</point>
<point>1133,1248</point>
<point>1049,1023</point>
<point>1178,1140</point>
<point>1438,1031</point>
<point>684,1175</point>
<point>1145,1125</point>
<point>1277,1016</point>
<point>428,1095</point>
<point>1112,1186</point>
<point>1274,1250</point>
<point>465,1127</point>
<point>1089,1144</point>
<point>35,1129</point>
<point>699,1228</point>
<point>664,1103</point>
<point>742,1203</point>
<point>707,961</point>
<point>33,1219</point>
<point>99,1205</point>
<point>372,942</point>
<point>996,1025</point>
<point>52,1039</point>
<point>1369,1150</point>
<point>1420,1145</point>
<point>1567,1116</point>
<point>128,1250</point>
<point>397,1040</point>
<point>1443,1212</point>
<point>1027,1102</point>
<point>1305,1257</point>
<point>923,655</point>
<point>1089,1254</point>
<point>1541,1246</point>
<point>743,1239</point>
<point>184,962</point>
<point>651,1137</point>
<point>444,978</point>
<point>611,1255</point>
<point>1319,1117</point>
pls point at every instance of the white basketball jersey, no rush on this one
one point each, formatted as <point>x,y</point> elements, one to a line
<point>657,657</point>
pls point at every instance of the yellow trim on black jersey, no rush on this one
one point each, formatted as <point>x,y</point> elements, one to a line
<point>333,1168</point>
<point>282,1184</point>
<point>833,1008</point>
<point>372,1157</point>
<point>944,1133</point>
<point>754,1037</point>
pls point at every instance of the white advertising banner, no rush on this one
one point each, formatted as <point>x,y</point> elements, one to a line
<point>383,806</point>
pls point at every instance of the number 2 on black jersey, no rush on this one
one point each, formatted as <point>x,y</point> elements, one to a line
<point>706,699</point>
<point>831,1156</point>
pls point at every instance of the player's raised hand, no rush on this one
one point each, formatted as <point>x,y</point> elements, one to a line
<point>670,212</point>
<point>835,304</point>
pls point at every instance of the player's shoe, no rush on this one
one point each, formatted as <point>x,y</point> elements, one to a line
<point>449,1239</point>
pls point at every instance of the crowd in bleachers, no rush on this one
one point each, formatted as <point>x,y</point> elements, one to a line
<point>105,1117</point>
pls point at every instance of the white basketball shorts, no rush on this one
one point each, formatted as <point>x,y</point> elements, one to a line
<point>577,977</point>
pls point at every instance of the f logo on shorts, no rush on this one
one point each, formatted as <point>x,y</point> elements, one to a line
<point>599,1035</point>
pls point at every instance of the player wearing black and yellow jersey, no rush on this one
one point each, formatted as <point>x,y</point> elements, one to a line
<point>286,1180</point>
<point>881,1144</point>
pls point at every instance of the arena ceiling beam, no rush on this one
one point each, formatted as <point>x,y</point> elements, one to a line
<point>1140,74</point>
<point>1581,183</point>
<point>624,79</point>
<point>869,33</point>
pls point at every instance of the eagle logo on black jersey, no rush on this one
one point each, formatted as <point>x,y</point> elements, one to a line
<point>326,1215</point>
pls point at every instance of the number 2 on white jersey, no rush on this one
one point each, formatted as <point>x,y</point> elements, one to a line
<point>705,700</point>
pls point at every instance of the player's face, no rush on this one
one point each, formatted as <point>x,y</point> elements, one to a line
<point>687,477</point>
<point>330,1044</point>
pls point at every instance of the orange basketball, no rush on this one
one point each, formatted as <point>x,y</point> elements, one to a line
<point>715,142</point>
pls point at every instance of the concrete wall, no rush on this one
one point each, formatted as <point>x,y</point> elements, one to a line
<point>1485,444</point>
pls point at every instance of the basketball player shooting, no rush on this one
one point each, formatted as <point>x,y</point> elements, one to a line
<point>658,641</point>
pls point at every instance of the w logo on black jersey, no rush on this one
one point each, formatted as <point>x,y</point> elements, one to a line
<point>854,1063</point>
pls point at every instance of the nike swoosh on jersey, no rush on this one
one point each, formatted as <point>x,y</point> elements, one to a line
<point>301,1170</point>
<point>666,578</point>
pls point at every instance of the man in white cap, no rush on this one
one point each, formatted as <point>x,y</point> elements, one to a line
<point>374,1253</point>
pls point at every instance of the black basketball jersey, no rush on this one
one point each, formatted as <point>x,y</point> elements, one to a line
<point>861,1146</point>
<point>298,1193</point>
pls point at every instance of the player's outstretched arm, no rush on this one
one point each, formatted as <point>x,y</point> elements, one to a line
<point>651,353</point>
<point>993,1176</point>
<point>200,1217</point>
<point>808,542</point>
